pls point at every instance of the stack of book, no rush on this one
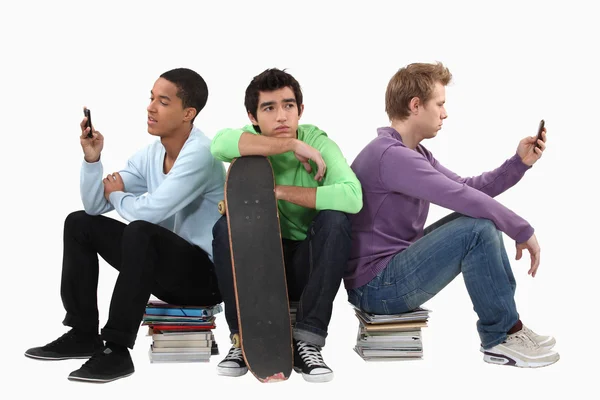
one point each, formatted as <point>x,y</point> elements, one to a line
<point>180,333</point>
<point>390,337</point>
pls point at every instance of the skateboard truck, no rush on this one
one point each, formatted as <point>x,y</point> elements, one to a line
<point>222,207</point>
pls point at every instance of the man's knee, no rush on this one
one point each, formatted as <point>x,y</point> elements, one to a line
<point>138,226</point>
<point>136,230</point>
<point>333,221</point>
<point>77,220</point>
<point>485,225</point>
<point>486,229</point>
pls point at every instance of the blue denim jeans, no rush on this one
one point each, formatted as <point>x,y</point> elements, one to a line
<point>452,245</point>
<point>314,268</point>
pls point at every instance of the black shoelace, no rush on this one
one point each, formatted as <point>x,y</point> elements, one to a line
<point>60,340</point>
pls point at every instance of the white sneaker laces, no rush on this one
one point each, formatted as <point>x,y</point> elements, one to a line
<point>531,334</point>
<point>524,339</point>
<point>235,353</point>
<point>310,354</point>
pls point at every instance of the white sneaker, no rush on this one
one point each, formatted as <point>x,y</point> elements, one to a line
<point>520,350</point>
<point>547,342</point>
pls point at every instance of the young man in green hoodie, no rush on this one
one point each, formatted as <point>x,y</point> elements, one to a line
<point>315,188</point>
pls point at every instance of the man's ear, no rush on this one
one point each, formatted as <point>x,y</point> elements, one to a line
<point>189,114</point>
<point>252,119</point>
<point>414,105</point>
<point>300,110</point>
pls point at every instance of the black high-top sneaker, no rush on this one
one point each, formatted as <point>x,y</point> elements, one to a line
<point>233,364</point>
<point>309,361</point>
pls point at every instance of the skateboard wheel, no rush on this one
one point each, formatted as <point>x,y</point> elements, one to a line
<point>235,340</point>
<point>221,206</point>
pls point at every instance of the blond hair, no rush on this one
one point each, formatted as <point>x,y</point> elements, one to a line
<point>414,80</point>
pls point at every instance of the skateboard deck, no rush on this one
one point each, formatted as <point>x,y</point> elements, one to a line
<point>258,268</point>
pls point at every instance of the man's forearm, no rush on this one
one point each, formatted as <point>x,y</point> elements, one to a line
<point>258,145</point>
<point>305,197</point>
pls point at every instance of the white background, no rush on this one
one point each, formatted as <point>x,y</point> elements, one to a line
<point>513,64</point>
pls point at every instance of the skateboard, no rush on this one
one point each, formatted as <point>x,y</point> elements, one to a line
<point>258,268</point>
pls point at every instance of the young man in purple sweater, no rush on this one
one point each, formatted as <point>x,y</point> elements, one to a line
<point>395,265</point>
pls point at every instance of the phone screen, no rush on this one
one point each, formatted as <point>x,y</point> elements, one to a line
<point>539,135</point>
<point>88,124</point>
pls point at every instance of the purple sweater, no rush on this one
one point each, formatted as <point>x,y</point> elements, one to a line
<point>398,185</point>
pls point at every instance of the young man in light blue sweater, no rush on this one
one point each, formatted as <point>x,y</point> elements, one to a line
<point>169,193</point>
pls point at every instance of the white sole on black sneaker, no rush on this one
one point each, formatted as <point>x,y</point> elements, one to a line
<point>232,372</point>
<point>320,378</point>
<point>56,358</point>
<point>92,380</point>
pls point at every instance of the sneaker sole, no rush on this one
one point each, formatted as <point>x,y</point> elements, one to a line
<point>321,378</point>
<point>50,358</point>
<point>232,372</point>
<point>501,359</point>
<point>97,380</point>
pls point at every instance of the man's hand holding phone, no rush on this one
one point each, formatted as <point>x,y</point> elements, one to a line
<point>531,148</point>
<point>91,140</point>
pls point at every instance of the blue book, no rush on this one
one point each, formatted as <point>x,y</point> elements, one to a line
<point>156,308</point>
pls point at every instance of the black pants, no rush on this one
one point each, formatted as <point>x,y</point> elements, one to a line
<point>150,260</point>
<point>314,269</point>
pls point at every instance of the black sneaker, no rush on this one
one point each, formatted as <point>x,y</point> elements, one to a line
<point>233,364</point>
<point>107,364</point>
<point>309,361</point>
<point>70,345</point>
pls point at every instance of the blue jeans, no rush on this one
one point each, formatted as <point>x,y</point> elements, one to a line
<point>314,268</point>
<point>452,245</point>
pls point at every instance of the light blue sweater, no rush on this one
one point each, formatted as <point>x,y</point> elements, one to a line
<point>183,201</point>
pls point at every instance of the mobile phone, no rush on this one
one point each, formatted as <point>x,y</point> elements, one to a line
<point>88,124</point>
<point>539,134</point>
